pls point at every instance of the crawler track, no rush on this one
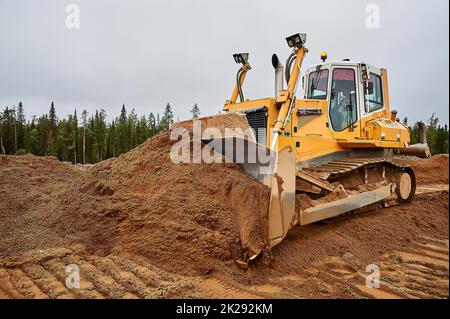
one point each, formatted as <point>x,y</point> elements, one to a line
<point>362,174</point>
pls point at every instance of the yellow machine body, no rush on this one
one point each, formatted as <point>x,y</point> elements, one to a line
<point>334,144</point>
<point>311,135</point>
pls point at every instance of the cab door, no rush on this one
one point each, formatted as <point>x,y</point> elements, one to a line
<point>373,94</point>
<point>344,106</point>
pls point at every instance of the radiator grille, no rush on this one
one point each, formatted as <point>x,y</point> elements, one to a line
<point>257,118</point>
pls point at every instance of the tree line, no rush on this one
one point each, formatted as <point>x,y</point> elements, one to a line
<point>437,135</point>
<point>89,138</point>
<point>79,138</point>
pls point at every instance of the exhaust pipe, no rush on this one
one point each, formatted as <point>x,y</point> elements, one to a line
<point>422,133</point>
<point>420,149</point>
<point>278,74</point>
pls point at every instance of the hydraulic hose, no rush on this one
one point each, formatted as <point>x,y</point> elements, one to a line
<point>239,85</point>
<point>289,61</point>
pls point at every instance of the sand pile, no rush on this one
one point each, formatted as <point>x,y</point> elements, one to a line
<point>433,170</point>
<point>187,218</point>
<point>183,217</point>
<point>28,188</point>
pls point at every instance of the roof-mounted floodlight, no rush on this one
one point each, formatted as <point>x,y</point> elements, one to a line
<point>240,58</point>
<point>297,40</point>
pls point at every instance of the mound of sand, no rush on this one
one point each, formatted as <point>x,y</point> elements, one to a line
<point>191,219</point>
<point>186,218</point>
<point>183,217</point>
<point>433,170</point>
<point>28,188</point>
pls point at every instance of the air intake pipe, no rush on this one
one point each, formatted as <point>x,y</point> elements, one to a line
<point>278,74</point>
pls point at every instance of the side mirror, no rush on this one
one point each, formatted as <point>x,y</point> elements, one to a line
<point>370,88</point>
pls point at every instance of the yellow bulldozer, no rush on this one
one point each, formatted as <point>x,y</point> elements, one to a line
<point>326,153</point>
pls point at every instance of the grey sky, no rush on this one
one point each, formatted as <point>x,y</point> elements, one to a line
<point>148,53</point>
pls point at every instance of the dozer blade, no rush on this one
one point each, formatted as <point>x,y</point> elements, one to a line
<point>230,134</point>
<point>282,198</point>
<point>255,159</point>
<point>276,170</point>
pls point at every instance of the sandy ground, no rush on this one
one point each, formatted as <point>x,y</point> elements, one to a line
<point>139,226</point>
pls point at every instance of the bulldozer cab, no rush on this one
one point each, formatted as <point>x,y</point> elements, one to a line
<point>353,92</point>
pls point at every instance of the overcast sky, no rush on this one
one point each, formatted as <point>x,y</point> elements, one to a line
<point>148,53</point>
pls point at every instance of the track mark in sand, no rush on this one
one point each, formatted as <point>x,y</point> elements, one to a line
<point>4,295</point>
<point>219,285</point>
<point>168,285</point>
<point>7,289</point>
<point>127,279</point>
<point>422,189</point>
<point>102,282</point>
<point>25,285</point>
<point>86,290</point>
<point>149,276</point>
<point>335,276</point>
<point>46,282</point>
<point>430,248</point>
<point>421,271</point>
<point>377,293</point>
<point>426,272</point>
<point>341,268</point>
<point>332,283</point>
<point>173,285</point>
<point>444,243</point>
<point>421,258</point>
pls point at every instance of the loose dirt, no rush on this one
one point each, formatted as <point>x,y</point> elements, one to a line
<point>428,171</point>
<point>140,203</point>
<point>139,226</point>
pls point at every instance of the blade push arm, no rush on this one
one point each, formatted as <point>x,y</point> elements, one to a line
<point>287,97</point>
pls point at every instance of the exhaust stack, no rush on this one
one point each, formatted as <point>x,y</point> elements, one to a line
<point>278,74</point>
<point>420,149</point>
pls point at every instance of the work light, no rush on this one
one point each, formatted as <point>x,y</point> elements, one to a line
<point>240,58</point>
<point>296,40</point>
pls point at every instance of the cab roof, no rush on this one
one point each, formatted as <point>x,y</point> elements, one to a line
<point>338,63</point>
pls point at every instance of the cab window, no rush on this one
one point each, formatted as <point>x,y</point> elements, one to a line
<point>317,85</point>
<point>374,95</point>
<point>343,103</point>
